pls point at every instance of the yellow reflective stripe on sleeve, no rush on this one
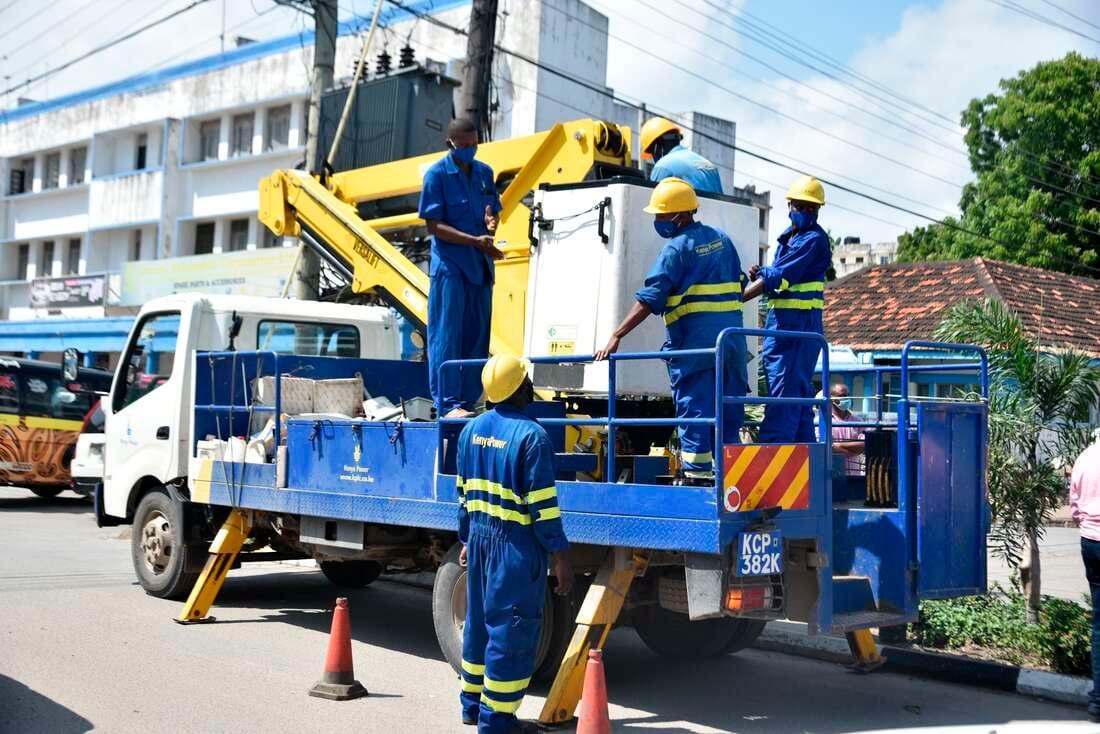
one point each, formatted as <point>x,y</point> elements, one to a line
<point>784,285</point>
<point>807,305</point>
<point>704,289</point>
<point>817,285</point>
<point>473,668</point>
<point>471,687</point>
<point>550,513</point>
<point>493,488</point>
<point>506,686</point>
<point>501,707</point>
<point>497,511</point>
<point>675,314</point>
<point>697,458</point>
<point>538,495</point>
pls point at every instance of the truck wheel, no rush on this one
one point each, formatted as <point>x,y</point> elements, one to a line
<point>166,565</point>
<point>351,574</point>
<point>673,635</point>
<point>449,616</point>
<point>47,492</point>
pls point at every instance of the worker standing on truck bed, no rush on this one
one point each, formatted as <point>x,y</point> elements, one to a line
<point>661,142</point>
<point>509,524</point>
<point>795,284</point>
<point>696,285</point>
<point>459,203</point>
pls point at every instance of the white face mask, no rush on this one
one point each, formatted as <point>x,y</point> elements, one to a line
<point>842,403</point>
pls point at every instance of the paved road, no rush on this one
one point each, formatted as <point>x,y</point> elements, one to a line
<point>82,648</point>
<point>1063,572</point>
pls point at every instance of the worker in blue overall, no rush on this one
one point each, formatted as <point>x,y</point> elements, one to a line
<point>696,286</point>
<point>660,143</point>
<point>795,284</point>
<point>510,525</point>
<point>460,205</point>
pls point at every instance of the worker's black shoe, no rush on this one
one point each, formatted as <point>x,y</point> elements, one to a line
<point>468,721</point>
<point>526,727</point>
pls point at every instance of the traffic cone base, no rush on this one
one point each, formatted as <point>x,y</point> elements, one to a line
<point>594,718</point>
<point>338,680</point>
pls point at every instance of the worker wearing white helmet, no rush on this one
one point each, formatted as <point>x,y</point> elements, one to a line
<point>661,143</point>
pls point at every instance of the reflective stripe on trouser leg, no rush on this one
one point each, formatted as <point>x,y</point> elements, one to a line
<point>515,589</point>
<point>474,635</point>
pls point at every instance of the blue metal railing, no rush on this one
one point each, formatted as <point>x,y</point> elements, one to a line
<point>233,407</point>
<point>612,422</point>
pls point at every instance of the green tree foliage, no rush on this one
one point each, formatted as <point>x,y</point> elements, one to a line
<point>1037,402</point>
<point>1035,151</point>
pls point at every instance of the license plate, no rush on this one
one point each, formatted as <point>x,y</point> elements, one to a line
<point>759,553</point>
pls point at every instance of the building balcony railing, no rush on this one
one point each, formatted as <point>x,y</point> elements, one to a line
<point>125,199</point>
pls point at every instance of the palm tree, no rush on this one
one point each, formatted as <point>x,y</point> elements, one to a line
<point>1038,400</point>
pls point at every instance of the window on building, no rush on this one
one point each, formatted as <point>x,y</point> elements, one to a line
<point>842,260</point>
<point>883,260</point>
<point>859,261</point>
<point>270,239</point>
<point>72,259</point>
<point>241,143</point>
<point>78,159</point>
<point>277,135</point>
<point>141,151</point>
<point>238,235</point>
<point>135,246</point>
<point>21,176</point>
<point>210,133</point>
<point>45,263</point>
<point>23,261</point>
<point>204,238</point>
<point>53,171</point>
<point>763,218</point>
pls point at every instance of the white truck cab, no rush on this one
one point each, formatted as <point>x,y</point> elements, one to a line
<point>148,412</point>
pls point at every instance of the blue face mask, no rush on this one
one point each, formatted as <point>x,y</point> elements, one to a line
<point>803,220</point>
<point>465,156</point>
<point>666,228</point>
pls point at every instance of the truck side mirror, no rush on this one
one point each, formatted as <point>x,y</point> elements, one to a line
<point>70,365</point>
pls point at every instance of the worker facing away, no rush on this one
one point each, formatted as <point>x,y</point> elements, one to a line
<point>661,140</point>
<point>696,286</point>
<point>460,205</point>
<point>795,284</point>
<point>509,524</point>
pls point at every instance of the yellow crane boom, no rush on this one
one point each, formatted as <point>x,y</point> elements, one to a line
<point>296,203</point>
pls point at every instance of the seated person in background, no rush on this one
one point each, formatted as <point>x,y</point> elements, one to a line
<point>847,440</point>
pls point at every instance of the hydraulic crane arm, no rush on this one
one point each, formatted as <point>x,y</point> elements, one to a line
<point>295,203</point>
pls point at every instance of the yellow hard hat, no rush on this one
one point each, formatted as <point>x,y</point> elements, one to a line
<point>672,195</point>
<point>502,375</point>
<point>654,128</point>
<point>808,189</point>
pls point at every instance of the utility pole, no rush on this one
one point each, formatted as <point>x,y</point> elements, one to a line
<point>324,59</point>
<point>474,92</point>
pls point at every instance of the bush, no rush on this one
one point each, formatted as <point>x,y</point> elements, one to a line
<point>996,621</point>
<point>1065,635</point>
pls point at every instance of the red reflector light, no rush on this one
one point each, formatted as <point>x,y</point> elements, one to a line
<point>745,598</point>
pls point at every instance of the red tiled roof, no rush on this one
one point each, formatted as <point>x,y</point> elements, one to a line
<point>882,307</point>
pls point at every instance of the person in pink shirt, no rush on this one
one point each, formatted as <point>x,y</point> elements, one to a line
<point>1084,502</point>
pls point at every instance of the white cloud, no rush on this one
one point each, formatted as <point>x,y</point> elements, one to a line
<point>940,56</point>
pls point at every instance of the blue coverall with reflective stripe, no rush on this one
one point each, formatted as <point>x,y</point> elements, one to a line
<point>690,166</point>
<point>460,296</point>
<point>510,522</point>
<point>795,284</point>
<point>696,285</point>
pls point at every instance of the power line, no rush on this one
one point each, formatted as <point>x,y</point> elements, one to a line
<point>1016,7</point>
<point>21,25</point>
<point>103,47</point>
<point>82,31</point>
<point>1056,6</point>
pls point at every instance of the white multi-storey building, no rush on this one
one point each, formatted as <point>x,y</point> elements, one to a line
<point>148,185</point>
<point>851,255</point>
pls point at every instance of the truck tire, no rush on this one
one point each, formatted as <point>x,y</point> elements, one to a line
<point>47,492</point>
<point>166,565</point>
<point>449,615</point>
<point>351,574</point>
<point>673,635</point>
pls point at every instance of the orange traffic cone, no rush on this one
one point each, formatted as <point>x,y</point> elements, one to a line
<point>338,681</point>
<point>594,717</point>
